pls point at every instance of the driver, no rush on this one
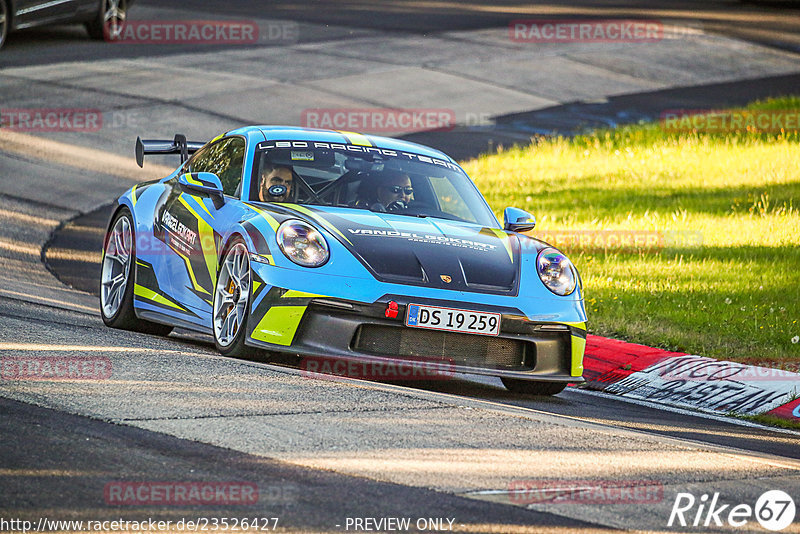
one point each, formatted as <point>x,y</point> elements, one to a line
<point>394,186</point>
<point>380,190</point>
<point>275,175</point>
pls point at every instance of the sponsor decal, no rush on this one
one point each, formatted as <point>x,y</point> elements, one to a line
<point>302,156</point>
<point>182,237</point>
<point>672,381</point>
<point>424,238</point>
<point>710,370</point>
<point>385,152</point>
<point>585,491</point>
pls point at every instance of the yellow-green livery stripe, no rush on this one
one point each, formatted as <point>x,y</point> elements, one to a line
<point>207,242</point>
<point>191,180</point>
<point>202,205</point>
<point>141,291</point>
<point>279,325</point>
<point>189,268</point>
<point>133,194</point>
<point>328,226</point>
<point>273,222</point>
<point>298,294</point>
<point>578,349</point>
<point>504,238</point>
<point>356,138</point>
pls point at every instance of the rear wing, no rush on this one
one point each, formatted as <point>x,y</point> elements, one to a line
<point>179,145</point>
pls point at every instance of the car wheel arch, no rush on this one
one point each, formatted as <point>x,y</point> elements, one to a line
<point>230,239</point>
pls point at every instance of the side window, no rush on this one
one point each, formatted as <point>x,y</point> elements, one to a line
<point>225,159</point>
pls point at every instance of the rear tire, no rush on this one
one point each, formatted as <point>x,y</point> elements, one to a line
<point>530,387</point>
<point>109,21</point>
<point>117,278</point>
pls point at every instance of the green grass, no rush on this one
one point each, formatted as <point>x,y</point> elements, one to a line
<point>771,420</point>
<point>732,290</point>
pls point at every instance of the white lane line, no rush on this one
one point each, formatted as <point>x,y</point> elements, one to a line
<point>667,408</point>
<point>52,303</point>
<point>40,347</point>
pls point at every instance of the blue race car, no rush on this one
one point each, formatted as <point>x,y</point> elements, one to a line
<point>339,245</point>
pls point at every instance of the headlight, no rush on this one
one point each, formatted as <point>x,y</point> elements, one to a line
<point>556,271</point>
<point>302,243</point>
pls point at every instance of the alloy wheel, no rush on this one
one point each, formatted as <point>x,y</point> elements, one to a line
<point>114,16</point>
<point>232,295</point>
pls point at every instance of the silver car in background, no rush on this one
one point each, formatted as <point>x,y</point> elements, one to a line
<point>103,19</point>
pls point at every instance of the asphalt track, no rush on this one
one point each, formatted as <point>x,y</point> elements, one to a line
<point>324,450</point>
<point>83,235</point>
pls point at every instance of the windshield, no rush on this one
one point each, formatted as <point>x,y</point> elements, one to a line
<point>382,180</point>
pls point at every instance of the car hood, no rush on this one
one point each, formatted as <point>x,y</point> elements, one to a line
<point>426,251</point>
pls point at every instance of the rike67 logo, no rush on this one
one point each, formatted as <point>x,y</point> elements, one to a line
<point>774,510</point>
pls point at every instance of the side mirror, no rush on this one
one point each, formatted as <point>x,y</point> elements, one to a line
<point>202,182</point>
<point>517,220</point>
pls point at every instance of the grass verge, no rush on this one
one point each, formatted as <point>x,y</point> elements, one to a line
<point>686,240</point>
<point>771,420</point>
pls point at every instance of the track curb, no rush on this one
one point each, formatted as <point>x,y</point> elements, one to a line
<point>690,381</point>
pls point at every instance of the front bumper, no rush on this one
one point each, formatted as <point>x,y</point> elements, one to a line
<point>324,327</point>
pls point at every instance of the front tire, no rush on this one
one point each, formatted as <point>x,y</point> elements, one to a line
<point>117,278</point>
<point>232,300</point>
<point>530,387</point>
<point>109,21</point>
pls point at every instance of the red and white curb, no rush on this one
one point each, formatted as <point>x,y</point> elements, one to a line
<point>689,381</point>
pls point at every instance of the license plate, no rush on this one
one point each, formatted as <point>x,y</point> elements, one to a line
<point>453,320</point>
